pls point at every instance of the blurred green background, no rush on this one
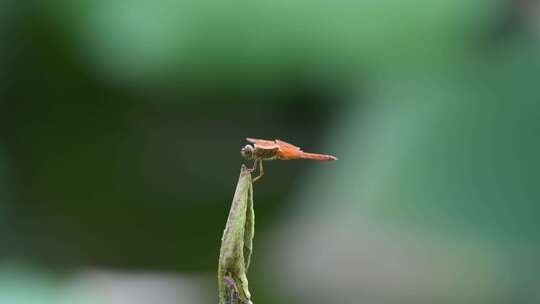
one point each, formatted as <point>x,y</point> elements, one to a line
<point>121,123</point>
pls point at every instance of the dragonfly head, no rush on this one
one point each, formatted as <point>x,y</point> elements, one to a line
<point>247,152</point>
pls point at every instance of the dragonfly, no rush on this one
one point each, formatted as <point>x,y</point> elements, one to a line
<point>262,149</point>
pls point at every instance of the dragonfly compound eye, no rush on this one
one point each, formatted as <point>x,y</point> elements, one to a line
<point>247,152</point>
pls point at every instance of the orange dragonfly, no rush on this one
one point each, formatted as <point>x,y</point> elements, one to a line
<point>276,149</point>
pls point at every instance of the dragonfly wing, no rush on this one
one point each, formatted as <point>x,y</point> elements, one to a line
<point>285,144</point>
<point>288,151</point>
<point>263,143</point>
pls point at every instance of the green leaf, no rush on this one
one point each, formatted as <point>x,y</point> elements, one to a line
<point>237,244</point>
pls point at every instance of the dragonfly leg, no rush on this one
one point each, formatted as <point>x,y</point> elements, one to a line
<point>261,171</point>
<point>254,166</point>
